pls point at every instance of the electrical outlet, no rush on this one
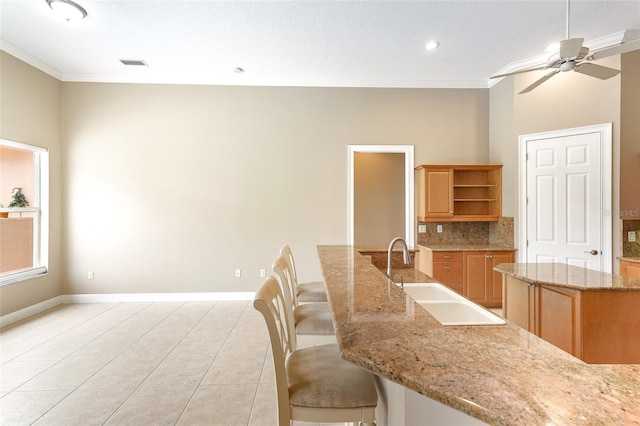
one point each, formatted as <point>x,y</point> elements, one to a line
<point>90,275</point>
<point>422,229</point>
<point>238,273</point>
<point>439,229</point>
<point>263,273</point>
<point>631,236</point>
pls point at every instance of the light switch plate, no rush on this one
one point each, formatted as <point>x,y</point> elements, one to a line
<point>422,229</point>
<point>631,236</point>
<point>439,229</point>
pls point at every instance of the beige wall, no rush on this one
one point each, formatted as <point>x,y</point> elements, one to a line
<point>565,101</point>
<point>30,112</point>
<point>171,188</point>
<point>630,137</point>
<point>379,198</point>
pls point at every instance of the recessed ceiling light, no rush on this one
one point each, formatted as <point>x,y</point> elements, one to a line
<point>67,9</point>
<point>134,62</point>
<point>432,45</point>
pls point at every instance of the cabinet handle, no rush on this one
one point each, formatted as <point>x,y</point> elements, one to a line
<point>447,257</point>
<point>447,267</point>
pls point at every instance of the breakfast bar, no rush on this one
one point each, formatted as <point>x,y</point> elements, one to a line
<point>498,374</point>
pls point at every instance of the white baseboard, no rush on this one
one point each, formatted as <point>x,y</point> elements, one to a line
<point>157,297</point>
<point>29,311</point>
<point>123,298</point>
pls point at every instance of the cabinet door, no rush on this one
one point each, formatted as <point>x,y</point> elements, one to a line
<point>475,276</point>
<point>558,318</point>
<point>633,270</point>
<point>518,302</point>
<point>495,282</point>
<point>439,193</point>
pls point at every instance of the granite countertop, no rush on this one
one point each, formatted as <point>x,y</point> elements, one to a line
<point>631,259</point>
<point>501,375</point>
<point>563,275</point>
<point>466,247</point>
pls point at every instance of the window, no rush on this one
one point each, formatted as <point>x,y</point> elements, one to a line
<point>24,226</point>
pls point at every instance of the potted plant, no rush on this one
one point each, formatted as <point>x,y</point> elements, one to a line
<point>19,200</point>
<point>3,214</point>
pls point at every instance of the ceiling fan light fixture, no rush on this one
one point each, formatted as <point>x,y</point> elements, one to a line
<point>67,9</point>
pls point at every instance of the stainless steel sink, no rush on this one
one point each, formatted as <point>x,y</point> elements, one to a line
<point>448,307</point>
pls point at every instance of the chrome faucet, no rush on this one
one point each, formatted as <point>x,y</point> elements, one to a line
<point>405,252</point>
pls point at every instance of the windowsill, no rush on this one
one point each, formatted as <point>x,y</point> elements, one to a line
<point>22,275</point>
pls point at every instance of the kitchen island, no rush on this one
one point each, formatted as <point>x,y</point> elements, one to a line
<point>497,374</point>
<point>590,314</point>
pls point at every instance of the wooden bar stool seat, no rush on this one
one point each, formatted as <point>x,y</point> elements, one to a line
<point>313,384</point>
<point>312,291</point>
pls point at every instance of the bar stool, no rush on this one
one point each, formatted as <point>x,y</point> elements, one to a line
<point>313,384</point>
<point>312,322</point>
<point>309,291</point>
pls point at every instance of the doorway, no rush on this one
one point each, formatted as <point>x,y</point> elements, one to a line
<point>372,210</point>
<point>565,196</point>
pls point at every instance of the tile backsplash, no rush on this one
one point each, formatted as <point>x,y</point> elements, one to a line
<point>630,248</point>
<point>494,233</point>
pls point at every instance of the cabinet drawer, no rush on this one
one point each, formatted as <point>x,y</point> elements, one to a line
<point>448,272</point>
<point>447,256</point>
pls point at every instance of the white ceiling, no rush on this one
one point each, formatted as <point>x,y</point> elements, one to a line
<point>303,43</point>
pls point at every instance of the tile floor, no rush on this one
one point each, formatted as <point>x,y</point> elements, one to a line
<point>183,363</point>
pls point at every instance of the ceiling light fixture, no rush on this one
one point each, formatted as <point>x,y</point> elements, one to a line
<point>134,62</point>
<point>432,45</point>
<point>67,9</point>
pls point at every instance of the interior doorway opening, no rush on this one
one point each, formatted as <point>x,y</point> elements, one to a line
<point>381,194</point>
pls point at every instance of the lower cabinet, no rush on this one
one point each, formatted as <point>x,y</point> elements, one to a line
<point>591,325</point>
<point>470,273</point>
<point>552,313</point>
<point>630,269</point>
<point>481,283</point>
<point>444,266</point>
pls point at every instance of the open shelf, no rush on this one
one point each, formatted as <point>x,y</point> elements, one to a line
<point>460,193</point>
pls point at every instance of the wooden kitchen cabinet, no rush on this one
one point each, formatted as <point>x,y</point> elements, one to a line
<point>470,273</point>
<point>630,269</point>
<point>459,193</point>
<point>444,266</point>
<point>594,326</point>
<point>481,283</point>
<point>551,313</point>
<point>435,193</point>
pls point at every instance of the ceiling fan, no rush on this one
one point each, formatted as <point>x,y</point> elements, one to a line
<point>573,56</point>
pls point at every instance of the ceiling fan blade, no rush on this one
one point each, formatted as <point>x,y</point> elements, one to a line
<point>570,48</point>
<point>597,71</point>
<point>630,35</point>
<point>539,81</point>
<point>541,67</point>
<point>618,49</point>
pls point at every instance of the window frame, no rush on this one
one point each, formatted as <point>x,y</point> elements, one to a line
<point>40,207</point>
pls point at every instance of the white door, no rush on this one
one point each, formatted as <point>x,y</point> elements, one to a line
<point>568,197</point>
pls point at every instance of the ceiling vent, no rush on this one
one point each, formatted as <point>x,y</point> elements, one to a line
<point>134,62</point>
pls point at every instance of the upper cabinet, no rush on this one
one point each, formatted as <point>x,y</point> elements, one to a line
<point>463,193</point>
